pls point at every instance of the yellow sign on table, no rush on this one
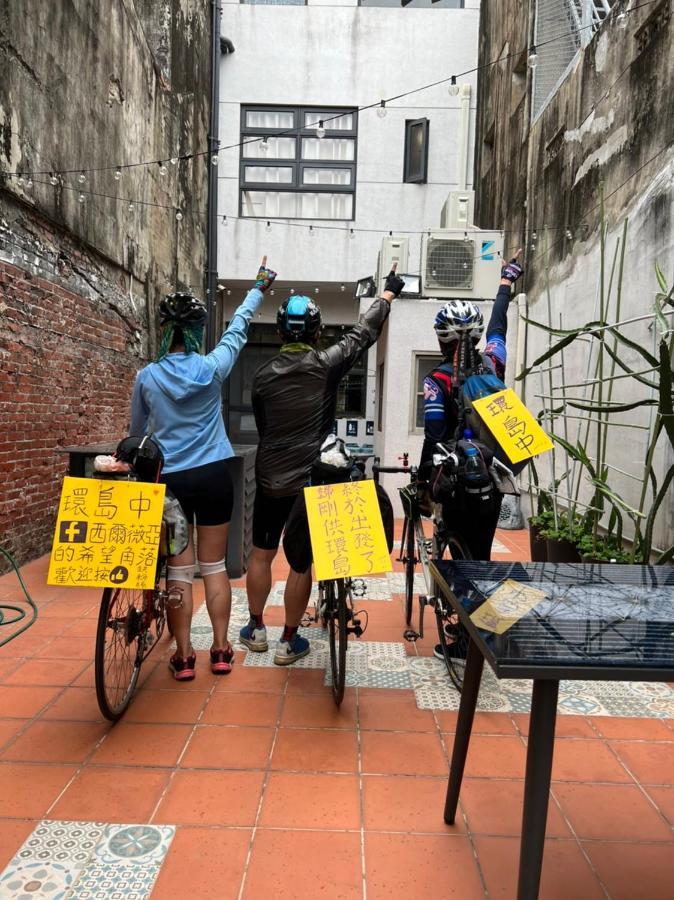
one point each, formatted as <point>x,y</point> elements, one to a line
<point>107,533</point>
<point>347,533</point>
<point>509,602</point>
<point>512,425</point>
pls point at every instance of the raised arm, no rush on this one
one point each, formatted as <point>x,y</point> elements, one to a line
<point>343,355</point>
<point>498,321</point>
<point>225,354</point>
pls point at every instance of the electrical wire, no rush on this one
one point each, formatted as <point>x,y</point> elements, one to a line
<point>21,612</point>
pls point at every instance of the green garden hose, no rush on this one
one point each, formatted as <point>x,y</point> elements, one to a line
<point>20,612</point>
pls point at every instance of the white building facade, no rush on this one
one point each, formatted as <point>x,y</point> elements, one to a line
<point>319,183</point>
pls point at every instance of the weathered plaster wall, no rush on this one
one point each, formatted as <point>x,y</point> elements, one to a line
<point>607,130</point>
<point>87,84</point>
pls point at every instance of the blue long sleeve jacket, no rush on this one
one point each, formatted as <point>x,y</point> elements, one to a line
<point>179,399</point>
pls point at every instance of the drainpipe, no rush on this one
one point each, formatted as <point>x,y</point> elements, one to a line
<point>213,128</point>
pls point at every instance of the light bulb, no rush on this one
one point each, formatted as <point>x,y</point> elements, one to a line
<point>81,198</point>
<point>131,207</point>
<point>569,234</point>
<point>163,171</point>
<point>268,226</point>
<point>453,88</point>
<point>532,59</point>
<point>81,178</point>
<point>29,183</point>
<point>352,234</point>
<point>342,288</point>
<point>465,265</point>
<point>292,290</point>
<point>179,216</point>
<point>534,236</point>
<point>320,130</point>
<point>20,180</point>
<point>264,146</point>
<point>622,19</point>
<point>224,221</point>
<point>381,109</point>
<point>174,160</point>
<point>53,180</point>
<point>272,292</point>
<point>532,246</point>
<point>118,174</point>
<point>214,159</point>
<point>317,290</point>
<point>311,231</point>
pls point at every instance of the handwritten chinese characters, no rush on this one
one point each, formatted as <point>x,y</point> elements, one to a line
<point>512,425</point>
<point>509,602</point>
<point>347,534</point>
<point>107,534</point>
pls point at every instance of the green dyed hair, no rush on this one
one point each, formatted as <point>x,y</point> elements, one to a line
<point>192,338</point>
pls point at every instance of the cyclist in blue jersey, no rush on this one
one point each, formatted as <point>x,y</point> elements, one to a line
<point>178,399</point>
<point>441,411</point>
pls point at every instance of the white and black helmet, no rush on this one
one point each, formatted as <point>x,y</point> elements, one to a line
<point>458,317</point>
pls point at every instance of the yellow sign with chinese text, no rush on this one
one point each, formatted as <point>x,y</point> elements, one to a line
<point>107,534</point>
<point>512,425</point>
<point>347,533</point>
<point>509,602</point>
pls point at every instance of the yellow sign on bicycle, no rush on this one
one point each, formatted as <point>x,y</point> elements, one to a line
<point>347,533</point>
<point>107,534</point>
<point>512,425</point>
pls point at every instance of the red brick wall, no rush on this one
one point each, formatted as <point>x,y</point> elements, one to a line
<point>67,364</point>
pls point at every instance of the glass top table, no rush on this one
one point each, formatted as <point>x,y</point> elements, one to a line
<point>545,620</point>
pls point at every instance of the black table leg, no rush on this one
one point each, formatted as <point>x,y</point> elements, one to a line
<point>537,786</point>
<point>464,725</point>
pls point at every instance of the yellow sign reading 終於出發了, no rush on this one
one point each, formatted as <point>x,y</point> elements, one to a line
<point>107,534</point>
<point>513,426</point>
<point>347,533</point>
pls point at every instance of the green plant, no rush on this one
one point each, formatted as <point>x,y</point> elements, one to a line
<point>603,549</point>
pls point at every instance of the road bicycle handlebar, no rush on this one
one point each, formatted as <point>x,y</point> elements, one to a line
<point>393,470</point>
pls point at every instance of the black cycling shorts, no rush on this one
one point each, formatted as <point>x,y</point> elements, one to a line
<point>270,515</point>
<point>205,492</point>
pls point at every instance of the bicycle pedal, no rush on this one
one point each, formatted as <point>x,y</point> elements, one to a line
<point>358,587</point>
<point>411,635</point>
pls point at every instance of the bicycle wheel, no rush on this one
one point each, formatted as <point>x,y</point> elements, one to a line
<point>335,596</point>
<point>452,635</point>
<point>410,549</point>
<point>119,649</point>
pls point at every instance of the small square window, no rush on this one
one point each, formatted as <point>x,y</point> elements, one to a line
<point>416,151</point>
<point>423,363</point>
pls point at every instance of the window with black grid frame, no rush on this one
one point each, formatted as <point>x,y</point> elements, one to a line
<point>422,364</point>
<point>298,162</point>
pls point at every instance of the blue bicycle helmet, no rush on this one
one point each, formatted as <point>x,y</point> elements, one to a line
<point>458,317</point>
<point>299,318</point>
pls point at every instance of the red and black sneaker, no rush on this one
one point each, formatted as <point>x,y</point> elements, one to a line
<point>222,660</point>
<point>183,666</point>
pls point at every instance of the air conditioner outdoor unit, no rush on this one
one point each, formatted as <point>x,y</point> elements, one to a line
<point>393,250</point>
<point>461,264</point>
<point>458,210</point>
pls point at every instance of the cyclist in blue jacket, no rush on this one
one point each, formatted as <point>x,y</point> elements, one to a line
<point>178,399</point>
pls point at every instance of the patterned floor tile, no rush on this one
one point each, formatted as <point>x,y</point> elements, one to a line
<point>115,881</point>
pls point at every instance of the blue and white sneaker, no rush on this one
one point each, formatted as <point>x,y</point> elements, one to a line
<point>290,651</point>
<point>254,638</point>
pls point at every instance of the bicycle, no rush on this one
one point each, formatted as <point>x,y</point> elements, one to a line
<point>131,622</point>
<point>416,548</point>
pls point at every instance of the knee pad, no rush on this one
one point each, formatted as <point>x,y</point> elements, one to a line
<point>181,573</point>
<point>212,568</point>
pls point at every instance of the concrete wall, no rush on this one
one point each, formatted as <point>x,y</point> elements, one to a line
<point>608,128</point>
<point>89,85</point>
<point>351,56</point>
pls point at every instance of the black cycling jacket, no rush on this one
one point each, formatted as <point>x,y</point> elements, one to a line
<point>294,401</point>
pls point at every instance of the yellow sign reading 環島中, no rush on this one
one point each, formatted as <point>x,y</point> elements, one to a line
<point>509,602</point>
<point>107,534</point>
<point>512,425</point>
<point>347,533</point>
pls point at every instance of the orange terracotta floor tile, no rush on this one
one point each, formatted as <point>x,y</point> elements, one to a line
<point>663,797</point>
<point>9,728</point>
<point>307,750</point>
<point>24,702</point>
<point>203,863</point>
<point>111,795</point>
<point>13,832</point>
<point>495,756</point>
<point>618,812</point>
<point>483,722</point>
<point>311,801</point>
<point>407,804</point>
<point>299,865</point>
<point>566,873</point>
<point>394,710</point>
<point>631,871</point>
<point>131,744</point>
<point>420,866</point>
<point>168,707</point>
<point>75,704</point>
<point>252,678</point>
<point>317,711</point>
<point>651,763</point>
<point>47,672</point>
<point>403,753</point>
<point>64,742</point>
<point>211,798</point>
<point>228,747</point>
<point>618,728</point>
<point>33,788</point>
<point>247,708</point>
<point>565,726</point>
<point>494,806</point>
<point>586,761</point>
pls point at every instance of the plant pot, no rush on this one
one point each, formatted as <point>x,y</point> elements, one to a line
<point>561,550</point>
<point>537,545</point>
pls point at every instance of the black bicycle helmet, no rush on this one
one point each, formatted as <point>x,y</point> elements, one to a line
<point>182,309</point>
<point>299,317</point>
<point>143,455</point>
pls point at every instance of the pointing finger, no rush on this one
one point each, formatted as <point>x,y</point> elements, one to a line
<point>263,264</point>
<point>393,268</point>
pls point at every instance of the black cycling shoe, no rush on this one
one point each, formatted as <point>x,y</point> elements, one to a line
<point>453,651</point>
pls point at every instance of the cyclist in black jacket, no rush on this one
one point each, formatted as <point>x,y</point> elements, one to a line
<point>294,402</point>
